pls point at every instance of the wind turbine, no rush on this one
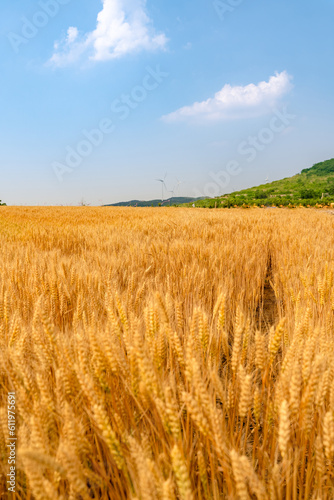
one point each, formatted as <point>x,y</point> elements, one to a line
<point>173,194</point>
<point>175,188</point>
<point>162,186</point>
<point>267,179</point>
<point>178,184</point>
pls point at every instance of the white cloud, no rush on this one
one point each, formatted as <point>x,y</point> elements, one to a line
<point>236,102</point>
<point>122,27</point>
<point>72,34</point>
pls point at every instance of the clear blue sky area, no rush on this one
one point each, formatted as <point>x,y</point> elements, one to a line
<point>99,99</point>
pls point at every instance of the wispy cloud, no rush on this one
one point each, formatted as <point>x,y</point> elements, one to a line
<point>122,27</point>
<point>236,102</point>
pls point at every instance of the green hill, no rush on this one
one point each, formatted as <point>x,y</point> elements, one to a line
<point>177,200</point>
<point>313,186</point>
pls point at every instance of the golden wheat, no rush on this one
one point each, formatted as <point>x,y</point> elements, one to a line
<point>168,353</point>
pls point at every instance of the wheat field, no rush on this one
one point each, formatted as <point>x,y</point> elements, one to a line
<point>161,354</point>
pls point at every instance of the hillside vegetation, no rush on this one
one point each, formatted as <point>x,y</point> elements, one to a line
<point>313,186</point>
<point>176,200</point>
<point>172,354</point>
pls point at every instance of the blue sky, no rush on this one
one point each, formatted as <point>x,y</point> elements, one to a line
<point>98,99</point>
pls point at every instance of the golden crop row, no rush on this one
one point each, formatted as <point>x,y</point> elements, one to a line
<point>168,353</point>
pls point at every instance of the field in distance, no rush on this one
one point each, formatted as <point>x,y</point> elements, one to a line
<point>168,354</point>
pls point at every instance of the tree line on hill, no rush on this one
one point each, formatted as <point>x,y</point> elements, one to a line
<point>312,187</point>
